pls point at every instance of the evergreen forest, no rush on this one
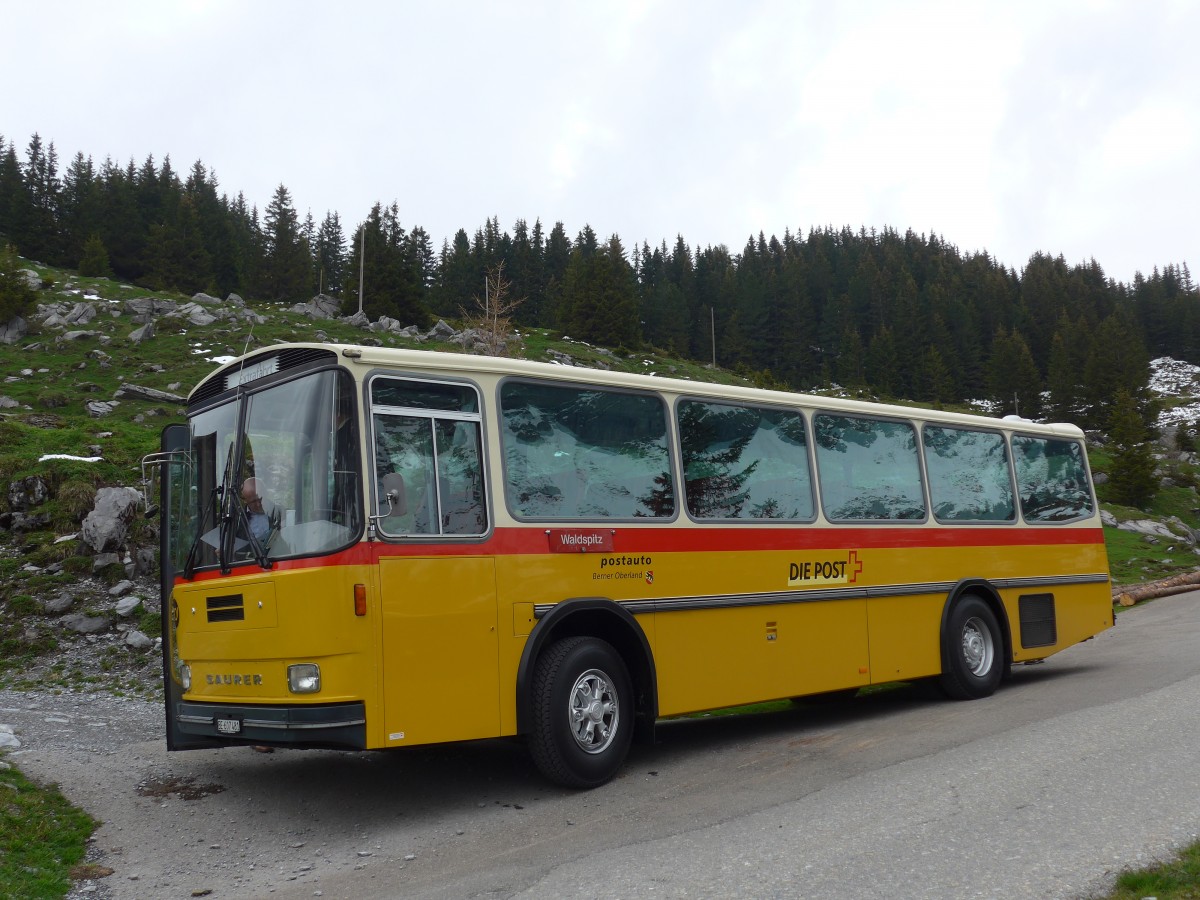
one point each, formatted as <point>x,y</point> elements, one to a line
<point>881,313</point>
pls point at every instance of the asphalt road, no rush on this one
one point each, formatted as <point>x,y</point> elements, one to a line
<point>1075,769</point>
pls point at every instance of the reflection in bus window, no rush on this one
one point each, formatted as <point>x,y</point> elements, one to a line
<point>969,478</point>
<point>1052,479</point>
<point>581,453</point>
<point>445,497</point>
<point>743,462</point>
<point>868,468</point>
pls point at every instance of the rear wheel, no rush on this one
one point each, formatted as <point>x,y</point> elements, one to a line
<point>582,712</point>
<point>972,651</point>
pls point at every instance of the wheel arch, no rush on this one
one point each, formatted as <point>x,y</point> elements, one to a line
<point>602,618</point>
<point>987,592</point>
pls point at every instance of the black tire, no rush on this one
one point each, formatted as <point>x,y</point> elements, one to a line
<point>582,708</point>
<point>972,651</point>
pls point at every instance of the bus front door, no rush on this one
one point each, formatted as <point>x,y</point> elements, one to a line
<point>440,649</point>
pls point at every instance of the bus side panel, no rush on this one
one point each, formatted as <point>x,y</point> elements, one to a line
<point>440,650</point>
<point>1068,613</point>
<point>905,637</point>
<point>707,659</point>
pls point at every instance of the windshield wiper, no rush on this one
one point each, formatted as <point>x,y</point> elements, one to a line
<point>225,525</point>
<point>189,565</point>
<point>257,547</point>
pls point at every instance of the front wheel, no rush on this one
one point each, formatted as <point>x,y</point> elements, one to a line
<point>972,651</point>
<point>582,712</point>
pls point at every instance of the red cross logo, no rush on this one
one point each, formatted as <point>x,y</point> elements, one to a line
<point>854,566</point>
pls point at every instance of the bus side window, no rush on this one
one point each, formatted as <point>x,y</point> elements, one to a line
<point>459,481</point>
<point>1052,479</point>
<point>969,478</point>
<point>585,453</point>
<point>868,469</point>
<point>744,462</point>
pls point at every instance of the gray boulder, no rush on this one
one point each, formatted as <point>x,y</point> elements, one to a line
<point>82,624</point>
<point>441,331</point>
<point>150,306</point>
<point>105,526</point>
<point>27,493</point>
<point>13,330</point>
<point>98,409</point>
<point>145,333</point>
<point>57,604</point>
<point>127,606</point>
<point>32,279</point>
<point>137,641</point>
<point>137,392</point>
<point>8,739</point>
<point>204,298</point>
<point>321,306</point>
<point>120,589</point>
<point>194,313</point>
<point>358,320</point>
<point>80,314</point>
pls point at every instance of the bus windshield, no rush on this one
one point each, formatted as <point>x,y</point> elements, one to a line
<point>274,473</point>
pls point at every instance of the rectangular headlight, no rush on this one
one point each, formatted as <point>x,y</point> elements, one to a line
<point>304,678</point>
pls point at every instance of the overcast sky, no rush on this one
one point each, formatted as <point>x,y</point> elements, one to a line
<point>1071,128</point>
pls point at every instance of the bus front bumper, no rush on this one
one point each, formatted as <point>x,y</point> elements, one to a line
<point>340,726</point>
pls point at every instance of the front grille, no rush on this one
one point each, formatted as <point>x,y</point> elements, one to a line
<point>228,608</point>
<point>1039,627</point>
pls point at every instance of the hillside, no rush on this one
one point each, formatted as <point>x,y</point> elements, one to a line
<point>104,366</point>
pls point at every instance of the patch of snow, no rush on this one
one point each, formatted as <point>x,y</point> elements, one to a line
<point>221,360</point>
<point>1175,378</point>
<point>69,456</point>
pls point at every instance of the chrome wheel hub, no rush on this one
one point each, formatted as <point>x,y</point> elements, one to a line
<point>978,650</point>
<point>593,711</point>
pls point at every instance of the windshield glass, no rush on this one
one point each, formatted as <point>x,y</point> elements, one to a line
<point>286,485</point>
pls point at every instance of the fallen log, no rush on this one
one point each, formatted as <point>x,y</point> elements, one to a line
<point>1176,584</point>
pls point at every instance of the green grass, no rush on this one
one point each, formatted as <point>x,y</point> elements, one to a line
<point>1132,560</point>
<point>41,837</point>
<point>1175,880</point>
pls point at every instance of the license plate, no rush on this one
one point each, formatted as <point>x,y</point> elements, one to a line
<point>229,726</point>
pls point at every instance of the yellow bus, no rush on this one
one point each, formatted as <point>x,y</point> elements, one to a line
<point>366,547</point>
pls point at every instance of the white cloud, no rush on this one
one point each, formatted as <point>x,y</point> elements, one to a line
<point>1067,128</point>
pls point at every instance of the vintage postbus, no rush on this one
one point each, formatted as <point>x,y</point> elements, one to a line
<point>367,547</point>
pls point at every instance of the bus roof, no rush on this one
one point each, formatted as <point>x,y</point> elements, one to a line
<point>466,364</point>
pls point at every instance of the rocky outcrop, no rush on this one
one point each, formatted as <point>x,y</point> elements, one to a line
<point>13,330</point>
<point>321,306</point>
<point>105,526</point>
<point>137,392</point>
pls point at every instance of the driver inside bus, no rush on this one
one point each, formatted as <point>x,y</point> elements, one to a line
<point>262,515</point>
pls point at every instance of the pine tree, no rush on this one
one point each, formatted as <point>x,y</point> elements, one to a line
<point>16,297</point>
<point>286,259</point>
<point>330,259</point>
<point>94,261</point>
<point>1015,383</point>
<point>1131,479</point>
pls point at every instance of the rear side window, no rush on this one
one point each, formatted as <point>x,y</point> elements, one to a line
<point>744,462</point>
<point>582,453</point>
<point>868,469</point>
<point>969,477</point>
<point>1052,479</point>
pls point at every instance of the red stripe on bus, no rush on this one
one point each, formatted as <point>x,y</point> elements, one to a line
<point>626,539</point>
